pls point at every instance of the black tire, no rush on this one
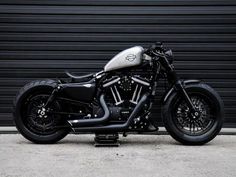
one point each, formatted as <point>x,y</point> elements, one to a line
<point>215,105</point>
<point>28,91</point>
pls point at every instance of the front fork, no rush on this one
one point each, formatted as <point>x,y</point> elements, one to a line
<point>179,86</point>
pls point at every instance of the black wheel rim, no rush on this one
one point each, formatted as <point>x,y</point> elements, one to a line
<point>189,123</point>
<point>40,124</point>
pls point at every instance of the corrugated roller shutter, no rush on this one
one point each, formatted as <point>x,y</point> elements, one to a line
<point>41,39</point>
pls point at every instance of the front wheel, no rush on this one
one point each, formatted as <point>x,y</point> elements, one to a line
<point>200,127</point>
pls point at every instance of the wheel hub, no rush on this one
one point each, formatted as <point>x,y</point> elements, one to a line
<point>193,122</point>
<point>42,112</point>
<point>39,119</point>
<point>196,115</point>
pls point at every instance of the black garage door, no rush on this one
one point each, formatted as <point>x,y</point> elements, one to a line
<point>42,38</point>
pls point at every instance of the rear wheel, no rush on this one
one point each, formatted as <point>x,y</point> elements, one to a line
<point>199,127</point>
<point>32,119</point>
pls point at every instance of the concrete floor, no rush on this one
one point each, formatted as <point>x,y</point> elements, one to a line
<point>138,156</point>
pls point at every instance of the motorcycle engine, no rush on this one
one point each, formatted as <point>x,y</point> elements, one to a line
<point>122,95</point>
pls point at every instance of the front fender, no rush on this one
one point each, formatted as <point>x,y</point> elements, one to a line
<point>173,89</point>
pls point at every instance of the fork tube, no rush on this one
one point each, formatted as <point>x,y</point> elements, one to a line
<point>179,87</point>
<point>173,78</point>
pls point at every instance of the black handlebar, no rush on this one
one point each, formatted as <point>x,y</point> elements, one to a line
<point>155,48</point>
<point>158,50</point>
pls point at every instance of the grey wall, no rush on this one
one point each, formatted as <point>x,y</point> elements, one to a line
<point>41,39</point>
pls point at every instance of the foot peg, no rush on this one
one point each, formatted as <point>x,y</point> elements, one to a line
<point>106,140</point>
<point>152,128</point>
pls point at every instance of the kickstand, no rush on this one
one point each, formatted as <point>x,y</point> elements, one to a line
<point>106,140</point>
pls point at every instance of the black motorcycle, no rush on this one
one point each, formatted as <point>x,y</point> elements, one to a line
<point>119,99</point>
